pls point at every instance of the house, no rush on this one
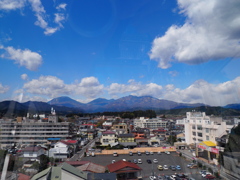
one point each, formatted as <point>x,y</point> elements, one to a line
<point>33,152</point>
<point>120,128</point>
<point>63,172</point>
<point>127,140</point>
<point>125,170</point>
<point>108,138</point>
<point>61,150</point>
<point>92,167</point>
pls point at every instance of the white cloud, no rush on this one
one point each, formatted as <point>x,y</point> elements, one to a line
<point>211,32</point>
<point>3,89</point>
<point>24,77</point>
<point>59,18</point>
<point>12,4</point>
<point>27,58</point>
<point>173,73</point>
<point>61,6</point>
<point>52,86</point>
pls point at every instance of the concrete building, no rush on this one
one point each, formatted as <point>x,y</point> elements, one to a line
<point>199,127</point>
<point>153,123</point>
<point>30,132</point>
<point>108,138</point>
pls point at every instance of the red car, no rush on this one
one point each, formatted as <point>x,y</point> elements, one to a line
<point>208,176</point>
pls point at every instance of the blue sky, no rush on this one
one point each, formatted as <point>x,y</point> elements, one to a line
<point>184,51</point>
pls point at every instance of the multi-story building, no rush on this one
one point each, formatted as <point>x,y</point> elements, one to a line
<point>120,128</point>
<point>153,123</point>
<point>108,138</point>
<point>29,132</point>
<point>200,127</point>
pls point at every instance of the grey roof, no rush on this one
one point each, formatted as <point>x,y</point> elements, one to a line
<point>128,143</point>
<point>54,173</point>
<point>101,176</point>
<point>126,135</point>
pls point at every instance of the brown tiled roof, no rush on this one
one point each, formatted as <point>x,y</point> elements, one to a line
<point>117,166</point>
<point>92,167</point>
<point>32,148</point>
<point>23,177</point>
<point>109,132</point>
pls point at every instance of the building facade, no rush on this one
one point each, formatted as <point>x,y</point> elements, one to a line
<point>199,127</point>
<point>153,123</point>
<point>29,132</point>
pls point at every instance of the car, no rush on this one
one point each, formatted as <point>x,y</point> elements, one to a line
<point>115,154</point>
<point>124,159</point>
<point>153,177</point>
<point>202,171</point>
<point>159,178</point>
<point>147,152</point>
<point>208,176</point>
<point>151,152</point>
<point>205,174</point>
<point>173,177</point>
<point>178,167</point>
<point>165,167</point>
<point>139,161</point>
<point>182,176</point>
<point>139,153</point>
<point>193,166</point>
<point>129,161</point>
<point>149,161</point>
<point>173,168</point>
<point>135,161</point>
<point>160,167</point>
<point>190,164</point>
<point>93,154</point>
<point>155,161</point>
<point>113,161</point>
<point>167,152</point>
<point>159,152</point>
<point>166,177</point>
<point>130,153</point>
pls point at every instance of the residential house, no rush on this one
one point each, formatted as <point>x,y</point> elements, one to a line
<point>120,128</point>
<point>92,167</point>
<point>127,140</point>
<point>125,170</point>
<point>63,172</point>
<point>61,150</point>
<point>108,138</point>
<point>33,152</point>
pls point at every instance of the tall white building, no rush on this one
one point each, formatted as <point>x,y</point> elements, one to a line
<point>153,123</point>
<point>199,127</point>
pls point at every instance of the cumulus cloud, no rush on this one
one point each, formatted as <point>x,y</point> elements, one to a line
<point>24,76</point>
<point>61,6</point>
<point>211,32</point>
<point>12,4</point>
<point>52,86</point>
<point>27,58</point>
<point>3,89</point>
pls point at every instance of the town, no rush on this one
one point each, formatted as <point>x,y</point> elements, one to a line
<point>195,146</point>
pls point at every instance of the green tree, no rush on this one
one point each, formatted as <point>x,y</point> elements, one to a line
<point>44,160</point>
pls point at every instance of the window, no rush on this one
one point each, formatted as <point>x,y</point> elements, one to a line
<point>207,138</point>
<point>207,130</point>
<point>199,134</point>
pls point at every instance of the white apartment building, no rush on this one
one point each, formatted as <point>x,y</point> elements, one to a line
<point>199,127</point>
<point>153,123</point>
<point>30,132</point>
<point>108,138</point>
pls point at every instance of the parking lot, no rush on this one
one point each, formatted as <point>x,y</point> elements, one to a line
<point>149,169</point>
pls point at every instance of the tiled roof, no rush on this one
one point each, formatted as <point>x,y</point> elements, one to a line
<point>23,177</point>
<point>126,135</point>
<point>120,165</point>
<point>91,167</point>
<point>109,132</point>
<point>32,148</point>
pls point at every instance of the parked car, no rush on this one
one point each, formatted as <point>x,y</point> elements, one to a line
<point>151,152</point>
<point>193,166</point>
<point>167,152</point>
<point>124,159</point>
<point>135,161</point>
<point>165,167</point>
<point>173,177</point>
<point>155,161</point>
<point>130,153</point>
<point>205,174</point>
<point>139,161</point>
<point>113,161</point>
<point>147,152</point>
<point>208,176</point>
<point>149,161</point>
<point>160,167</point>
<point>178,167</point>
<point>139,153</point>
<point>115,154</point>
<point>159,152</point>
<point>173,168</point>
<point>190,164</point>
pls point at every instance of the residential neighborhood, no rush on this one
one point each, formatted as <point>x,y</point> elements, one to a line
<point>117,148</point>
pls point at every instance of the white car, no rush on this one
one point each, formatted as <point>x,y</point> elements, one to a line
<point>167,152</point>
<point>165,167</point>
<point>173,177</point>
<point>113,161</point>
<point>139,161</point>
<point>124,159</point>
<point>205,174</point>
<point>155,161</point>
<point>159,152</point>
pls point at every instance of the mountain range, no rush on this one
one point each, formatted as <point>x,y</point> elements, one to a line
<point>65,105</point>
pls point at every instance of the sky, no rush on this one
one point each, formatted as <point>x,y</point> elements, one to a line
<point>184,51</point>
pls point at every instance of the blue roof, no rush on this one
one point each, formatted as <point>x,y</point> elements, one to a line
<point>53,139</point>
